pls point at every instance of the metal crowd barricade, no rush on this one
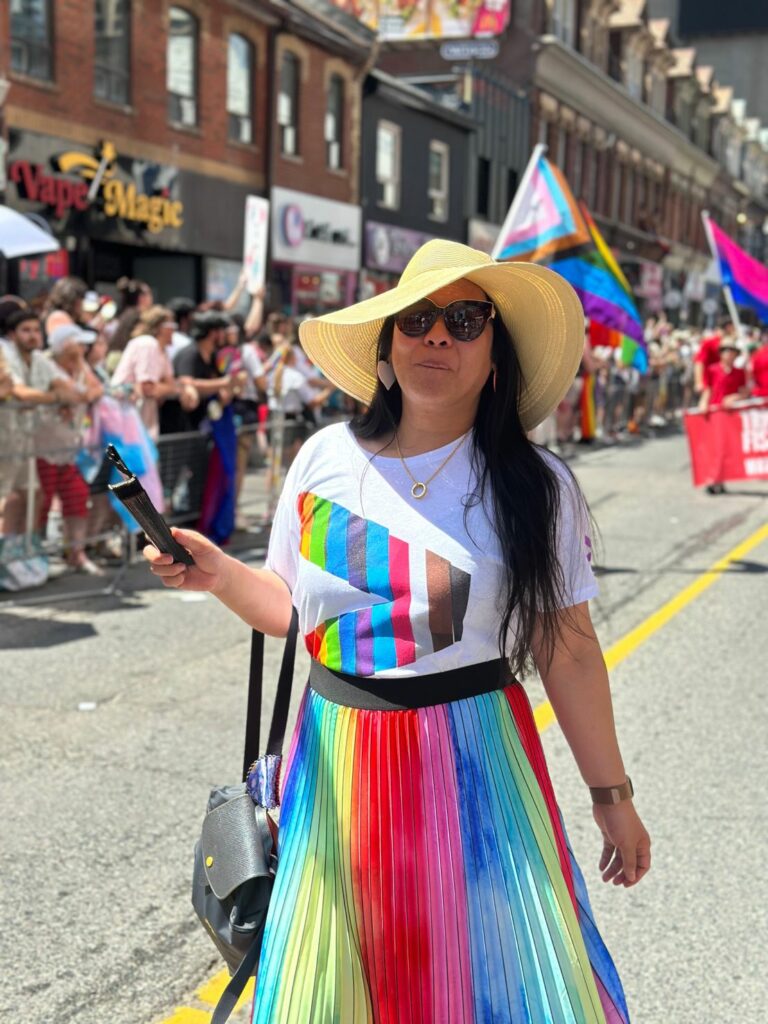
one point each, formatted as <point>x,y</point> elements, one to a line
<point>34,545</point>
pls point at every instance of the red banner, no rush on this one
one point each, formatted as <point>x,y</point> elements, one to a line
<point>729,444</point>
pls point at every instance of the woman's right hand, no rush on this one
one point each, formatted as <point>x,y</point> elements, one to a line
<point>207,574</point>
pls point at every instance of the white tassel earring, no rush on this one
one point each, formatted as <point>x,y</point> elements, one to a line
<point>385,373</point>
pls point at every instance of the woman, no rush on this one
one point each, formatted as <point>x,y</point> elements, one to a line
<point>65,303</point>
<point>145,364</point>
<point>135,299</point>
<point>59,441</point>
<point>424,870</point>
<point>292,400</point>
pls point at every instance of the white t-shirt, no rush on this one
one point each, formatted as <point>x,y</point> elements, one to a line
<point>254,367</point>
<point>294,391</point>
<point>179,340</point>
<point>391,586</point>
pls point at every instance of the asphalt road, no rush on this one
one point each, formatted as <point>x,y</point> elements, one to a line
<point>119,712</point>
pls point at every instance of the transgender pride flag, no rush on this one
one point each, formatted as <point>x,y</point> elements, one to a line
<point>544,218</point>
<point>742,274</point>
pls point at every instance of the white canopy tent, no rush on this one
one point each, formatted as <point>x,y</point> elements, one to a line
<point>19,236</point>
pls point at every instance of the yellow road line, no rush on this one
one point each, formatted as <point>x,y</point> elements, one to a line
<point>209,993</point>
<point>616,653</point>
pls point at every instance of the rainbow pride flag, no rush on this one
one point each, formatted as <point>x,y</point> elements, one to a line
<point>746,277</point>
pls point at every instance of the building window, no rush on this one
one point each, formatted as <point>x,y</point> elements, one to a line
<point>288,104</point>
<point>564,21</point>
<point>240,89</point>
<point>628,199</point>
<point>181,77</point>
<point>439,163</point>
<point>31,38</point>
<point>334,122</point>
<point>483,187</point>
<point>388,164</point>
<point>512,179</point>
<point>112,39</point>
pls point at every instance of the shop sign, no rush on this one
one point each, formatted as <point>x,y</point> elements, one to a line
<point>80,179</point>
<point>482,235</point>
<point>313,230</point>
<point>389,248</point>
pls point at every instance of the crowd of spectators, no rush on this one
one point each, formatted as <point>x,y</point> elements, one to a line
<point>686,368</point>
<point>182,367</point>
<point>185,369</point>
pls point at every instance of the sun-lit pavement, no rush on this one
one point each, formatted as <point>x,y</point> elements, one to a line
<point>102,807</point>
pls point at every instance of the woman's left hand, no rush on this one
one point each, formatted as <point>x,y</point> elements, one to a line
<point>626,855</point>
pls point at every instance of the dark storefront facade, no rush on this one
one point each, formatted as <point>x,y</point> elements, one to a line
<point>413,177</point>
<point>117,215</point>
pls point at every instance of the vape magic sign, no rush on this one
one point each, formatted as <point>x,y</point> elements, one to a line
<point>80,180</point>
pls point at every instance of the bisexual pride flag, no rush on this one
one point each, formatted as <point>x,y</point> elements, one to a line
<point>746,277</point>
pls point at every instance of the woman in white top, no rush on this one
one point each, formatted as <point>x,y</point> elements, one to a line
<point>433,553</point>
<point>291,399</point>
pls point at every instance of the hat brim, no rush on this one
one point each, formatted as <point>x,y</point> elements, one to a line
<point>541,311</point>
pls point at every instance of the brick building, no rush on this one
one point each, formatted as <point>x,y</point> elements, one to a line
<point>646,135</point>
<point>136,128</point>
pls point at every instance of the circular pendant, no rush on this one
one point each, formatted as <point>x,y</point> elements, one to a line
<point>418,490</point>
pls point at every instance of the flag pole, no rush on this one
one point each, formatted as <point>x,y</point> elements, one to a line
<point>538,151</point>
<point>727,294</point>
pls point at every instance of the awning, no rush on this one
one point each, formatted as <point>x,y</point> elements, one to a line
<point>20,237</point>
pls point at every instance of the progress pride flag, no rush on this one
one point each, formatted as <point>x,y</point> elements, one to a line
<point>729,444</point>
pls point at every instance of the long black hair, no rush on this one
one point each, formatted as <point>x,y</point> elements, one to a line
<point>518,486</point>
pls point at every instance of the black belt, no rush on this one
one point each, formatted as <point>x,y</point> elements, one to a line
<point>381,694</point>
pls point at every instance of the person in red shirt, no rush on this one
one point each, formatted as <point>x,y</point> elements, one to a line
<point>724,384</point>
<point>709,355</point>
<point>760,369</point>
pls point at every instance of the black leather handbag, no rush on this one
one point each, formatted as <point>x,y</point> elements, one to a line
<point>236,855</point>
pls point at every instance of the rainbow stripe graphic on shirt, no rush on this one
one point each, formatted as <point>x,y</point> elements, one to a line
<point>366,555</point>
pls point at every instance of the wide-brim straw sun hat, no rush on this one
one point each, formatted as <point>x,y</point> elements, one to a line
<point>540,310</point>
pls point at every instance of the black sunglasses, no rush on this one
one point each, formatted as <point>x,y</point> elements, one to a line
<point>465,319</point>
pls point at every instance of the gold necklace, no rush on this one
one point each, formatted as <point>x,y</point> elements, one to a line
<point>420,487</point>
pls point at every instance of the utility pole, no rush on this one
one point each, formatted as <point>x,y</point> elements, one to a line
<point>5,86</point>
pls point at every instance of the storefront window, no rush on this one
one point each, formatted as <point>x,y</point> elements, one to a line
<point>181,76</point>
<point>112,37</point>
<point>240,89</point>
<point>288,105</point>
<point>439,155</point>
<point>31,38</point>
<point>388,164</point>
<point>334,120</point>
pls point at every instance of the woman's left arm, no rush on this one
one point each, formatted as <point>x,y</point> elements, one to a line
<point>575,678</point>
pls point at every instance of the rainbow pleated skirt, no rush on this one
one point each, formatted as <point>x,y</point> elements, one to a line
<point>425,876</point>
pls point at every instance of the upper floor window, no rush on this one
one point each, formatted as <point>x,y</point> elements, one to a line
<point>181,74</point>
<point>388,164</point>
<point>112,37</point>
<point>240,89</point>
<point>32,38</point>
<point>439,156</point>
<point>334,121</point>
<point>564,21</point>
<point>288,104</point>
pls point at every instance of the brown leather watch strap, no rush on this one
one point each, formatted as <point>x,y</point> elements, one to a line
<point>612,794</point>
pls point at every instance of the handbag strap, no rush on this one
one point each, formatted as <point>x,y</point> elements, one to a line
<point>255,695</point>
